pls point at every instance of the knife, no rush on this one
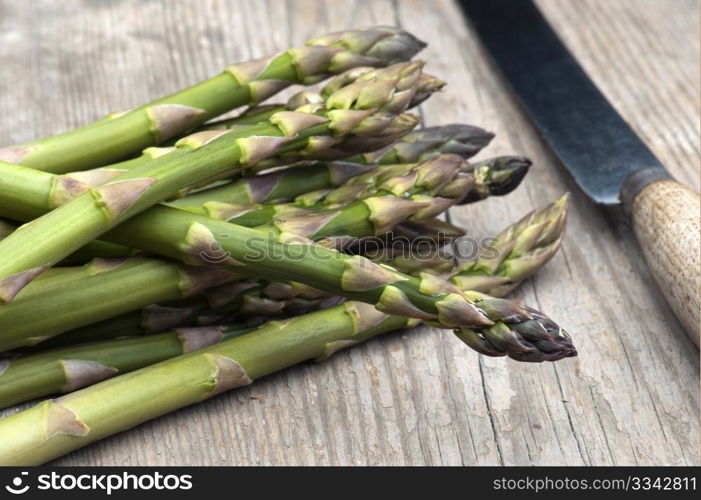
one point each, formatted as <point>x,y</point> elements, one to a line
<point>609,162</point>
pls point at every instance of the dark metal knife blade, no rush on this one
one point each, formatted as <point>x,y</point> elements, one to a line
<point>608,161</point>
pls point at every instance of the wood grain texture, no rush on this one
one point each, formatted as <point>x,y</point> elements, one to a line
<point>419,397</point>
<point>666,222</point>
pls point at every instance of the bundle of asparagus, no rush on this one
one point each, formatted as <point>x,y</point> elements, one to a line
<point>239,249</point>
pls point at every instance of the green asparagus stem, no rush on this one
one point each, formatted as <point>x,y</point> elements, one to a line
<point>58,278</point>
<point>438,179</point>
<point>535,238</point>
<point>94,249</point>
<point>99,290</point>
<point>285,185</point>
<point>56,427</point>
<point>26,193</point>
<point>480,180</point>
<point>289,257</point>
<point>38,192</point>
<point>365,108</point>
<point>246,299</point>
<point>250,117</point>
<point>123,134</point>
<point>367,205</point>
<point>425,87</point>
<point>439,182</point>
<point>74,367</point>
<point>43,433</point>
<point>198,239</point>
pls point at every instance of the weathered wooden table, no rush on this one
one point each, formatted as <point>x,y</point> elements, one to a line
<point>632,395</point>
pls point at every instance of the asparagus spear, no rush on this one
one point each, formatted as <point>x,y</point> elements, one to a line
<point>427,84</point>
<point>289,257</point>
<point>516,252</point>
<point>365,108</point>
<point>497,175</point>
<point>286,185</point>
<point>250,117</point>
<point>98,291</point>
<point>366,205</point>
<point>123,134</point>
<point>246,299</point>
<point>74,367</point>
<point>425,87</point>
<point>199,239</point>
<point>225,301</point>
<point>534,238</point>
<point>439,177</point>
<point>57,279</point>
<point>56,427</point>
<point>92,250</point>
<point>456,138</point>
<point>27,193</point>
<point>512,256</point>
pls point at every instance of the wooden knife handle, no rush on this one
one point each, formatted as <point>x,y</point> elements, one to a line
<point>666,221</point>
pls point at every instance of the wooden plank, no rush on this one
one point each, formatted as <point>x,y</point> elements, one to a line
<point>632,396</point>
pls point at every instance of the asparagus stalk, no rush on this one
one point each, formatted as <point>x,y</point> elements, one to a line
<point>201,240</point>
<point>71,368</point>
<point>365,108</point>
<point>26,193</point>
<point>92,250</point>
<point>512,256</point>
<point>56,427</point>
<point>426,86</point>
<point>367,205</point>
<point>439,177</point>
<point>56,279</point>
<point>257,297</point>
<point>535,238</point>
<point>286,185</point>
<point>59,426</point>
<point>123,134</point>
<point>497,175</point>
<point>456,138</point>
<point>98,291</point>
<point>516,252</point>
<point>198,239</point>
<point>250,117</point>
<point>246,299</point>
